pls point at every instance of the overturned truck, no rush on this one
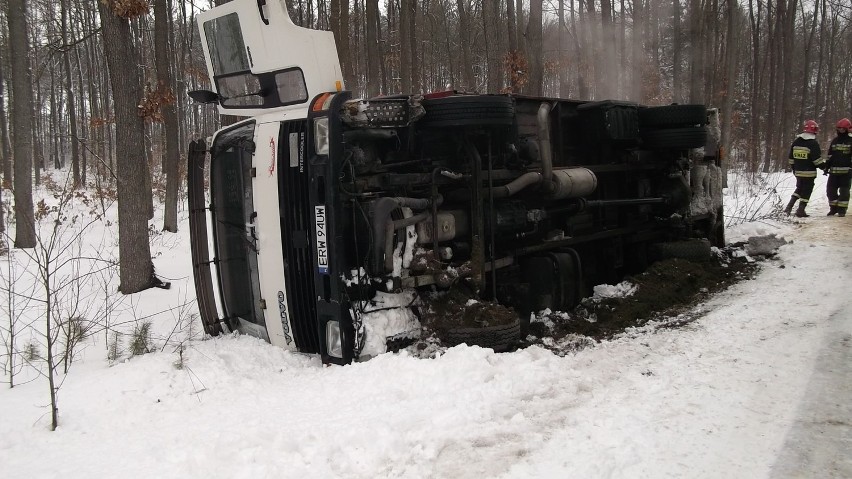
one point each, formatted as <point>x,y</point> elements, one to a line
<point>321,214</point>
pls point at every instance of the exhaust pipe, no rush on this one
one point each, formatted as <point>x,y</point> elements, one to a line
<point>544,146</point>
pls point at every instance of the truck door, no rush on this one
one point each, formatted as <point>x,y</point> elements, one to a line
<point>259,61</point>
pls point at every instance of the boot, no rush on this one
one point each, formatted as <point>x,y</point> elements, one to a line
<point>832,210</point>
<point>800,213</point>
<point>841,211</point>
<point>789,208</point>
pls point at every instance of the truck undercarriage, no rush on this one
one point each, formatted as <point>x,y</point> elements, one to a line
<point>513,201</point>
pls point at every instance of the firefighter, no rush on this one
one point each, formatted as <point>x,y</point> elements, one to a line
<point>839,163</point>
<point>805,158</point>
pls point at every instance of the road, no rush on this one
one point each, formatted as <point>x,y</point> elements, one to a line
<point>819,442</point>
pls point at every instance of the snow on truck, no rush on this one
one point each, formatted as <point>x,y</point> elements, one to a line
<point>339,226</point>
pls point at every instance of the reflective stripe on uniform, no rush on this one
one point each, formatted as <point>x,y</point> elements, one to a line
<point>801,152</point>
<point>806,174</point>
<point>819,161</point>
<point>839,170</point>
<point>843,204</point>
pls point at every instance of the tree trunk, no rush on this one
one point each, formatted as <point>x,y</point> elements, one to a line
<point>534,46</point>
<point>731,40</point>
<point>136,270</point>
<point>513,54</point>
<point>608,58</point>
<point>22,120</point>
<point>591,44</point>
<point>373,60</point>
<point>411,41</point>
<point>642,35</point>
<point>345,47</point>
<point>339,19</point>
<point>511,25</point>
<point>6,147</point>
<point>754,118</point>
<point>787,63</point>
<point>404,46</point>
<point>83,115</point>
<point>170,120</point>
<point>677,51</point>
<point>489,29</point>
<point>69,94</point>
<point>580,41</point>
<point>696,60</point>
<point>55,148</point>
<point>564,86</point>
<point>464,31</point>
<point>774,135</point>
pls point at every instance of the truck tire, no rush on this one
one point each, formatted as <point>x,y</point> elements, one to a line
<point>473,110</point>
<point>675,138</point>
<point>672,116</point>
<point>697,250</point>
<point>500,338</point>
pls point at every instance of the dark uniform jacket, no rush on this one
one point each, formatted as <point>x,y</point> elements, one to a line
<point>805,156</point>
<point>840,154</point>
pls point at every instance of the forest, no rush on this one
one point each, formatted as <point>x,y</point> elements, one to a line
<point>99,86</point>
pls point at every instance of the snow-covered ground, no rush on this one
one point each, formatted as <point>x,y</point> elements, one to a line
<point>759,386</point>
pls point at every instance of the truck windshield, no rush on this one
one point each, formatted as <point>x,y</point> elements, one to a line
<point>233,219</point>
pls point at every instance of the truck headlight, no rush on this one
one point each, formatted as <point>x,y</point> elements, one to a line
<point>333,339</point>
<point>321,135</point>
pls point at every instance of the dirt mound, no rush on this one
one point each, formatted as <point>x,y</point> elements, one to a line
<point>455,309</point>
<point>668,288</point>
<point>665,291</point>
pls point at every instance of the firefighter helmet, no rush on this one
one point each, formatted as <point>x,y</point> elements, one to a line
<point>844,123</point>
<point>810,126</point>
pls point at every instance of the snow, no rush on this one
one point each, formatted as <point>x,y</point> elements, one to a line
<point>743,391</point>
<point>623,289</point>
<point>387,316</point>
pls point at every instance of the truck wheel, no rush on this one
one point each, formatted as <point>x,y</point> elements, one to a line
<point>675,138</point>
<point>670,116</point>
<point>697,250</point>
<point>473,110</point>
<point>499,338</point>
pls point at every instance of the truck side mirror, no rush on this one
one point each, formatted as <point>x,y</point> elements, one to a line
<point>203,96</point>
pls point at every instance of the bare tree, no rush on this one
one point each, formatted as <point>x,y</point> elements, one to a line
<point>467,57</point>
<point>730,74</point>
<point>69,94</point>
<point>677,51</point>
<point>404,46</point>
<point>22,119</point>
<point>162,17</point>
<point>611,72</point>
<point>492,46</point>
<point>373,60</point>
<point>6,147</point>
<point>534,44</point>
<point>136,270</point>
